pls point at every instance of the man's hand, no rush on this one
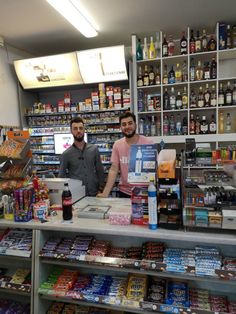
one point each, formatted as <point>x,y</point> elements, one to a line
<point>102,194</point>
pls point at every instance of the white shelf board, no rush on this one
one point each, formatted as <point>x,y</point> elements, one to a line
<point>227,54</point>
<point>231,137</point>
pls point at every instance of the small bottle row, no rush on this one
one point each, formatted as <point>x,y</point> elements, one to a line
<point>227,36</point>
<point>227,94</point>
<point>203,125</point>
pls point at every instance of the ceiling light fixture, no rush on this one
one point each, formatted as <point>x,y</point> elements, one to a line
<point>76,15</point>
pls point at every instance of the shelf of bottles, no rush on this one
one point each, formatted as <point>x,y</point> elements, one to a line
<point>186,86</point>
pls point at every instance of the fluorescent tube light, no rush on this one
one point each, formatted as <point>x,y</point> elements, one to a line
<point>76,15</point>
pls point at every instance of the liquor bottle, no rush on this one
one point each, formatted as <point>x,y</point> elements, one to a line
<point>228,38</point>
<point>166,125</point>
<point>192,70</point>
<point>228,95</point>
<point>199,71</point>
<point>158,76</point>
<point>204,125</point>
<point>141,126</point>
<point>146,76</point>
<point>165,75</point>
<point>152,205</point>
<point>140,77</point>
<point>171,46</point>
<point>211,45</point>
<point>228,124</point>
<point>172,125</point>
<point>198,43</point>
<point>145,49</point>
<point>178,125</point>
<point>138,161</point>
<point>185,98</point>
<point>206,71</point>
<point>165,47</point>
<point>153,127</point>
<point>207,96</point>
<point>139,51</point>
<point>166,100</point>
<point>212,125</point>
<point>213,69</point>
<point>183,45</point>
<point>147,127</point>
<point>178,73</point>
<point>221,122</point>
<point>185,126</point>
<point>171,76</point>
<point>221,96</point>
<point>213,96</point>
<point>158,126</point>
<point>234,94</point>
<point>179,101</point>
<point>157,44</point>
<point>197,125</point>
<point>192,46</point>
<point>151,50</point>
<point>151,76</point>
<point>140,100</point>
<point>184,72</point>
<point>193,99</point>
<point>200,98</point>
<point>192,125</point>
<point>204,40</point>
<point>66,203</point>
<point>172,99</point>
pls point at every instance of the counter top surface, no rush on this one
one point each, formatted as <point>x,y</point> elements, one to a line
<point>102,226</point>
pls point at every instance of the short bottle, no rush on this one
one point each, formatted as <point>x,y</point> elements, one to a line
<point>152,205</point>
<point>66,203</point>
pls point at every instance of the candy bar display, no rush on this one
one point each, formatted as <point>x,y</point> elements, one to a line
<point>20,280</point>
<point>10,306</point>
<point>16,242</point>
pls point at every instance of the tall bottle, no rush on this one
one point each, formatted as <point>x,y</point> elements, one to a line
<point>151,50</point>
<point>145,49</point>
<point>192,70</point>
<point>66,203</point>
<point>153,127</point>
<point>199,71</point>
<point>234,94</point>
<point>213,69</point>
<point>200,99</point>
<point>172,99</point>
<point>166,126</point>
<point>213,96</point>
<point>165,47</point>
<point>207,96</point>
<point>171,46</point>
<point>228,95</point>
<point>139,51</point>
<point>212,125</point>
<point>152,205</point>
<point>138,161</point>
<point>140,77</point>
<point>192,46</point>
<point>151,76</point>
<point>221,96</point>
<point>228,37</point>
<point>146,76</point>
<point>165,75</point>
<point>166,100</point>
<point>185,98</point>
<point>183,45</point>
<point>204,40</point>
<point>228,124</point>
<point>184,72</point>
<point>179,103</point>
<point>178,73</point>
<point>171,76</point>
<point>157,76</point>
<point>221,123</point>
<point>198,43</point>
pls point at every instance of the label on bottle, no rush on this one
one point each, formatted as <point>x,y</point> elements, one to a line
<point>179,103</point>
<point>204,128</point>
<point>221,100</point>
<point>146,80</point>
<point>152,209</point>
<point>140,82</point>
<point>200,103</point>
<point>67,201</point>
<point>213,102</point>
<point>212,127</point>
<point>228,98</point>
<point>185,101</point>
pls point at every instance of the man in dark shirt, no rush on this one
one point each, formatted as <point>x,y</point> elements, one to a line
<point>82,161</point>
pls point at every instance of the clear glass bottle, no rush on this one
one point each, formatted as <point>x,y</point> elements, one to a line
<point>140,77</point>
<point>213,99</point>
<point>178,125</point>
<point>200,98</point>
<point>204,40</point>
<point>207,96</point>
<point>158,76</point>
<point>178,73</point>
<point>221,96</point>
<point>199,71</point>
<point>228,123</point>
<point>198,43</point>
<point>228,95</point>
<point>139,51</point>
<point>221,122</point>
<point>172,99</point>
<point>153,127</point>
<point>141,126</point>
<point>145,49</point>
<point>179,101</point>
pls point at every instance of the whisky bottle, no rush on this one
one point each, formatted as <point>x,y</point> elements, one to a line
<point>228,38</point>
<point>171,76</point>
<point>206,71</point>
<point>178,73</point>
<point>165,47</point>
<point>199,71</point>
<point>204,40</point>
<point>207,97</point>
<point>145,49</point>
<point>197,125</point>
<point>228,95</point>
<point>158,76</point>
<point>212,125</point>
<point>179,101</point>
<point>192,46</point>
<point>151,50</point>
<point>228,124</point>
<point>184,72</point>
<point>140,77</point>
<point>166,100</point>
<point>146,76</point>
<point>139,51</point>
<point>213,69</point>
<point>198,43</point>
<point>171,46</point>
<point>183,45</point>
<point>165,75</point>
<point>211,45</point>
<point>185,99</point>
<point>151,76</point>
<point>221,96</point>
<point>192,71</point>
<point>192,125</point>
<point>193,99</point>
<point>200,98</point>
<point>204,125</point>
<point>213,96</point>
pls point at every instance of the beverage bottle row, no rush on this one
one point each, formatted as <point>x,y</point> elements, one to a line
<point>206,98</point>
<point>148,102</point>
<point>168,47</point>
<point>227,36</point>
<point>150,76</point>
<point>225,123</point>
<point>227,96</point>
<point>150,126</point>
<point>148,51</point>
<point>201,43</point>
<point>171,101</point>
<point>176,74</point>
<point>175,126</point>
<point>205,71</point>
<point>202,126</point>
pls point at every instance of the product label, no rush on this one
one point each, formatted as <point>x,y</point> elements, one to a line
<point>67,201</point>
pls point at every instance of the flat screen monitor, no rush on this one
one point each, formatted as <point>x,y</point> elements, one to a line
<point>62,141</point>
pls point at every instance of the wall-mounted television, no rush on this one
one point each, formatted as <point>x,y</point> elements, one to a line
<point>62,141</point>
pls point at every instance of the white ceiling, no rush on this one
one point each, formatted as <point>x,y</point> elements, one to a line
<point>34,26</point>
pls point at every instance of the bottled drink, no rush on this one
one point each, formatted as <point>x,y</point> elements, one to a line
<point>151,50</point>
<point>211,45</point>
<point>147,127</point>
<point>172,125</point>
<point>165,47</point>
<point>166,126</point>
<point>172,99</point>
<point>199,71</point>
<point>185,126</point>
<point>221,96</point>
<point>153,127</point>
<point>200,99</point>
<point>145,49</point>
<point>158,76</point>
<point>185,99</point>
<point>228,95</point>
<point>204,125</point>
<point>152,205</point>
<point>234,94</point>
<point>204,40</point>
<point>206,71</point>
<point>221,123</point>
<point>179,101</point>
<point>183,45</point>
<point>197,125</point>
<point>66,203</point>
<point>165,75</point>
<point>192,70</point>
<point>228,38</point>
<point>166,100</point>
<point>178,125</point>
<point>213,96</point>
<point>207,97</point>
<point>141,126</point>
<point>151,76</point>
<point>138,161</point>
<point>178,73</point>
<point>192,43</point>
<point>213,69</point>
<point>228,124</point>
<point>171,76</point>
<point>198,43</point>
<point>171,46</point>
<point>212,125</point>
<point>157,44</point>
<point>146,76</point>
<point>158,126</point>
<point>140,100</point>
<point>192,125</point>
<point>193,99</point>
<point>139,51</point>
<point>140,77</point>
<point>184,72</point>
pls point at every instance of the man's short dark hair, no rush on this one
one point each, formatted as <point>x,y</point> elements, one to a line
<point>127,114</point>
<point>76,120</point>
